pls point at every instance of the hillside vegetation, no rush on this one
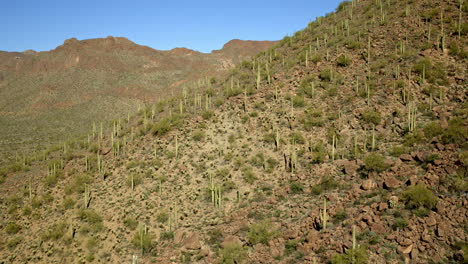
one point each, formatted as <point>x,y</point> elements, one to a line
<point>344,143</point>
<point>49,97</point>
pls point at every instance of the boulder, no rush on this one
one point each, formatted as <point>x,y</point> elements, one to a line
<point>192,242</point>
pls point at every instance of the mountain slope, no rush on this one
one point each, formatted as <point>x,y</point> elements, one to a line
<point>48,96</point>
<point>327,148</point>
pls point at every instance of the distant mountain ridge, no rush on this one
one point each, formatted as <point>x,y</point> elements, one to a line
<point>54,92</point>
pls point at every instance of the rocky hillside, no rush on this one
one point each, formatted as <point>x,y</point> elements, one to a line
<point>345,143</point>
<point>48,96</point>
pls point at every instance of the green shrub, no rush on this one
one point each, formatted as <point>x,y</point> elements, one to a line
<point>207,114</point>
<point>55,231</point>
<point>297,137</point>
<point>68,203</point>
<point>396,151</point>
<point>162,217</point>
<point>456,132</point>
<point>198,135</point>
<point>457,51</point>
<point>92,218</point>
<point>434,73</point>
<point>143,241</point>
<point>375,162</point>
<point>232,254</point>
<point>399,223</point>
<point>371,117</point>
<point>312,118</point>
<point>298,101</point>
<point>249,175</point>
<point>131,223</point>
<point>137,179</point>
<point>419,196</point>
<point>326,75</point>
<point>12,243</point>
<point>413,138</point>
<point>167,235</point>
<point>343,60</point>
<point>261,232</point>
<point>296,187</point>
<point>326,183</point>
<point>12,228</point>
<point>161,127</point>
<point>432,129</point>
<point>356,256</point>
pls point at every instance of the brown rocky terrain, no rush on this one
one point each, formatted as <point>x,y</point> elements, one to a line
<point>47,96</point>
<point>345,143</point>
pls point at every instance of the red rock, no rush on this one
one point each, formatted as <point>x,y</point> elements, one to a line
<point>391,182</point>
<point>312,236</point>
<point>440,231</point>
<point>291,233</point>
<point>368,184</point>
<point>383,206</point>
<point>192,242</point>
<point>406,157</point>
<point>431,221</point>
<point>350,168</point>
<point>229,240</point>
<point>378,228</point>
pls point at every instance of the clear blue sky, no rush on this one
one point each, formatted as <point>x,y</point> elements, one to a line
<point>200,25</point>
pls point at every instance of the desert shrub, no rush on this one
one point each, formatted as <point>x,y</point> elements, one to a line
<point>434,73</point>
<point>318,153</point>
<point>457,51</point>
<point>92,218</point>
<point>296,187</point>
<point>232,254</point>
<point>258,160</point>
<point>55,231</point>
<point>375,162</point>
<point>297,137</point>
<point>340,216</point>
<point>343,60</point>
<point>161,127</point>
<point>12,228</point>
<point>162,217</point>
<point>131,223</point>
<point>358,255</point>
<point>68,203</point>
<point>399,223</point>
<point>432,129</point>
<point>326,183</point>
<point>136,178</point>
<point>456,132</point>
<point>249,175</point>
<point>419,196</point>
<point>13,242</point>
<point>413,138</point>
<point>143,239</point>
<point>207,114</point>
<point>326,75</point>
<point>261,232</point>
<point>371,117</point>
<point>298,101</point>
<point>78,184</point>
<point>167,235</point>
<point>312,118</point>
<point>198,135</point>
<point>396,151</point>
<point>272,163</point>
<point>215,237</point>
